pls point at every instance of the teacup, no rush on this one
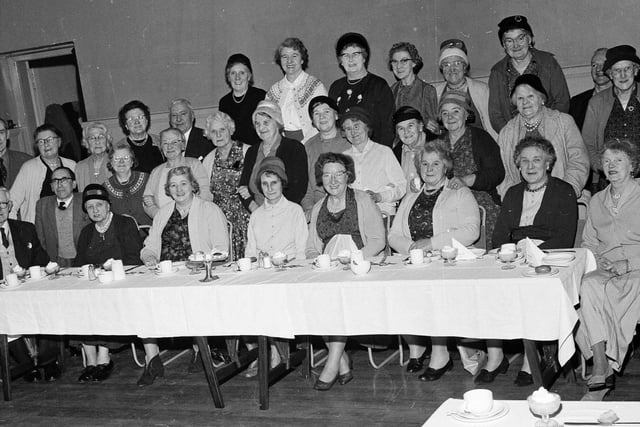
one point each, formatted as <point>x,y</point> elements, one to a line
<point>360,268</point>
<point>106,277</point>
<point>165,267</point>
<point>478,401</point>
<point>35,272</point>
<point>323,261</point>
<point>417,256</point>
<point>244,264</point>
<point>508,247</point>
<point>357,256</point>
<point>12,280</point>
<point>344,256</point>
<point>507,256</point>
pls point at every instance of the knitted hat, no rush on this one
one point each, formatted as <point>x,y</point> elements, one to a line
<point>322,99</point>
<point>531,80</point>
<point>94,191</point>
<point>620,53</point>
<point>357,113</point>
<point>353,38</point>
<point>406,113</point>
<point>453,47</point>
<point>516,22</point>
<point>269,108</point>
<point>454,97</point>
<point>274,165</point>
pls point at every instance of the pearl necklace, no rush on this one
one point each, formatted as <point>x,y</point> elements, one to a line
<point>241,98</point>
<point>535,190</point>
<point>103,228</point>
<point>138,143</point>
<point>355,82</point>
<point>530,127</point>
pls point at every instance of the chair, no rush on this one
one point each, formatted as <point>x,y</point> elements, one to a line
<point>482,240</point>
<point>582,220</point>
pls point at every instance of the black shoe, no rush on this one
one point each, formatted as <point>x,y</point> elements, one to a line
<point>597,385</point>
<point>32,376</point>
<point>523,379</point>
<point>323,386</point>
<point>486,377</point>
<point>154,369</point>
<point>219,357</point>
<point>103,371</point>
<point>87,374</point>
<point>431,374</point>
<point>415,365</point>
<point>344,379</point>
<point>52,371</point>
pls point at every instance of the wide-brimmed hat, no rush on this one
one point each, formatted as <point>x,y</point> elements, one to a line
<point>531,80</point>
<point>94,191</point>
<point>515,22</point>
<point>623,52</point>
<point>269,108</point>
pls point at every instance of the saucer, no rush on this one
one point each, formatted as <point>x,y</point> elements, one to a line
<point>173,271</point>
<point>531,272</point>
<point>426,262</point>
<point>5,287</point>
<point>334,265</point>
<point>499,410</point>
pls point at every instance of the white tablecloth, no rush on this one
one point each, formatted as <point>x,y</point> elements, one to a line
<point>519,414</point>
<point>472,299</point>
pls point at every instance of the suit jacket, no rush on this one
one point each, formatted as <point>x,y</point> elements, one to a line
<point>578,106</point>
<point>197,145</point>
<point>555,222</point>
<point>26,245</point>
<point>13,162</point>
<point>46,222</point>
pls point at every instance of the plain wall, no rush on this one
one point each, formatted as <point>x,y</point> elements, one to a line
<point>156,50</point>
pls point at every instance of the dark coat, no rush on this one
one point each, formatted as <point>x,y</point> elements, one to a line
<point>130,242</point>
<point>26,245</point>
<point>198,146</point>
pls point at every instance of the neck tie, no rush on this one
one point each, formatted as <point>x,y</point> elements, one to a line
<point>61,206</point>
<point>3,173</point>
<point>5,241</point>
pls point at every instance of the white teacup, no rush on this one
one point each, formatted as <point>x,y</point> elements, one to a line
<point>85,271</point>
<point>106,277</point>
<point>244,264</point>
<point>12,280</point>
<point>35,272</point>
<point>508,247</point>
<point>478,401</point>
<point>323,261</point>
<point>165,267</point>
<point>417,256</point>
<point>357,256</point>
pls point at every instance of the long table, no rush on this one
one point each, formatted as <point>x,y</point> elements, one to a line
<point>471,299</point>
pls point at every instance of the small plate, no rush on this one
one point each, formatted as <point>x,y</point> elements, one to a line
<point>173,271</point>
<point>499,410</point>
<point>531,272</point>
<point>334,265</point>
<point>426,262</point>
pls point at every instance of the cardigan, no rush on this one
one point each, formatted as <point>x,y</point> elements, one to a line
<point>46,222</point>
<point>294,156</point>
<point>455,215</point>
<point>479,92</point>
<point>555,222</point>
<point>572,164</point>
<point>369,222</point>
<point>127,235</point>
<point>84,173</point>
<point>25,191</point>
<point>207,228</point>
<point>550,75</point>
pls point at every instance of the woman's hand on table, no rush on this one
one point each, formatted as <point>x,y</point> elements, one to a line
<point>424,244</point>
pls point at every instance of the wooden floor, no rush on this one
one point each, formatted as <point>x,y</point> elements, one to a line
<point>385,397</point>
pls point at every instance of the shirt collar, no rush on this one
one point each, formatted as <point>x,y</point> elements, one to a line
<point>298,81</point>
<point>66,201</point>
<point>279,205</point>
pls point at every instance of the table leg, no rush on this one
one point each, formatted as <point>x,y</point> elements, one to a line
<point>209,371</point>
<point>263,371</point>
<point>4,367</point>
<point>532,354</point>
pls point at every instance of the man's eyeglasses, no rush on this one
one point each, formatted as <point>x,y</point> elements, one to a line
<point>63,180</point>
<point>4,205</point>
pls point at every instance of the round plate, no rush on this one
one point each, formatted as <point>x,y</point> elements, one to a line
<point>426,262</point>
<point>173,271</point>
<point>499,410</point>
<point>334,265</point>
<point>531,272</point>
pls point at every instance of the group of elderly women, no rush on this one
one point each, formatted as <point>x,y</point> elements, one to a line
<point>508,147</point>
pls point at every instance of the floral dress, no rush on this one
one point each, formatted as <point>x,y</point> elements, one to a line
<point>176,245</point>
<point>225,176</point>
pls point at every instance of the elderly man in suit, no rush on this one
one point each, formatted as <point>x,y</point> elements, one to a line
<point>60,218</point>
<point>181,117</point>
<point>10,160</point>
<point>20,246</point>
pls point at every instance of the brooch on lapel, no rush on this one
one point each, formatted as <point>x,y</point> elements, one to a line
<point>29,245</point>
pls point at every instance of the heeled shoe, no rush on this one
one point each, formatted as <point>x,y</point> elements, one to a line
<point>324,386</point>
<point>103,371</point>
<point>523,379</point>
<point>416,364</point>
<point>344,379</point>
<point>431,374</point>
<point>154,369</point>
<point>87,374</point>
<point>486,377</point>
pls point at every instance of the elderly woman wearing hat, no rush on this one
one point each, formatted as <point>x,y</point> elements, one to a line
<point>295,90</point>
<point>454,66</point>
<point>376,169</point>
<point>535,119</point>
<point>405,63</point>
<point>324,115</point>
<point>361,88</point>
<point>109,236</point>
<point>411,132</point>
<point>267,120</point>
<point>614,113</point>
<point>476,156</point>
<point>242,100</point>
<point>516,36</point>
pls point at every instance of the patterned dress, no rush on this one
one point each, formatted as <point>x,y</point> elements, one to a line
<point>225,176</point>
<point>176,244</point>
<point>343,222</point>
<point>421,215</point>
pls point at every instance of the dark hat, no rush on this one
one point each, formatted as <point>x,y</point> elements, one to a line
<point>531,80</point>
<point>353,38</point>
<point>94,191</point>
<point>454,97</point>
<point>239,58</point>
<point>322,99</point>
<point>357,113</point>
<point>620,53</point>
<point>454,43</point>
<point>513,23</point>
<point>406,113</point>
<point>273,165</point>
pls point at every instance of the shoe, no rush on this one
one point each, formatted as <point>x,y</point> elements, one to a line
<point>323,386</point>
<point>344,379</point>
<point>252,370</point>
<point>523,379</point>
<point>219,357</point>
<point>600,382</point>
<point>103,371</point>
<point>486,377</point>
<point>87,374</point>
<point>32,376</point>
<point>154,369</point>
<point>431,374</point>
<point>52,371</point>
<point>195,365</point>
<point>415,365</point>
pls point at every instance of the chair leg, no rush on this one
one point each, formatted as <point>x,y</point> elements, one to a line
<point>4,367</point>
<point>399,352</point>
<point>133,353</point>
